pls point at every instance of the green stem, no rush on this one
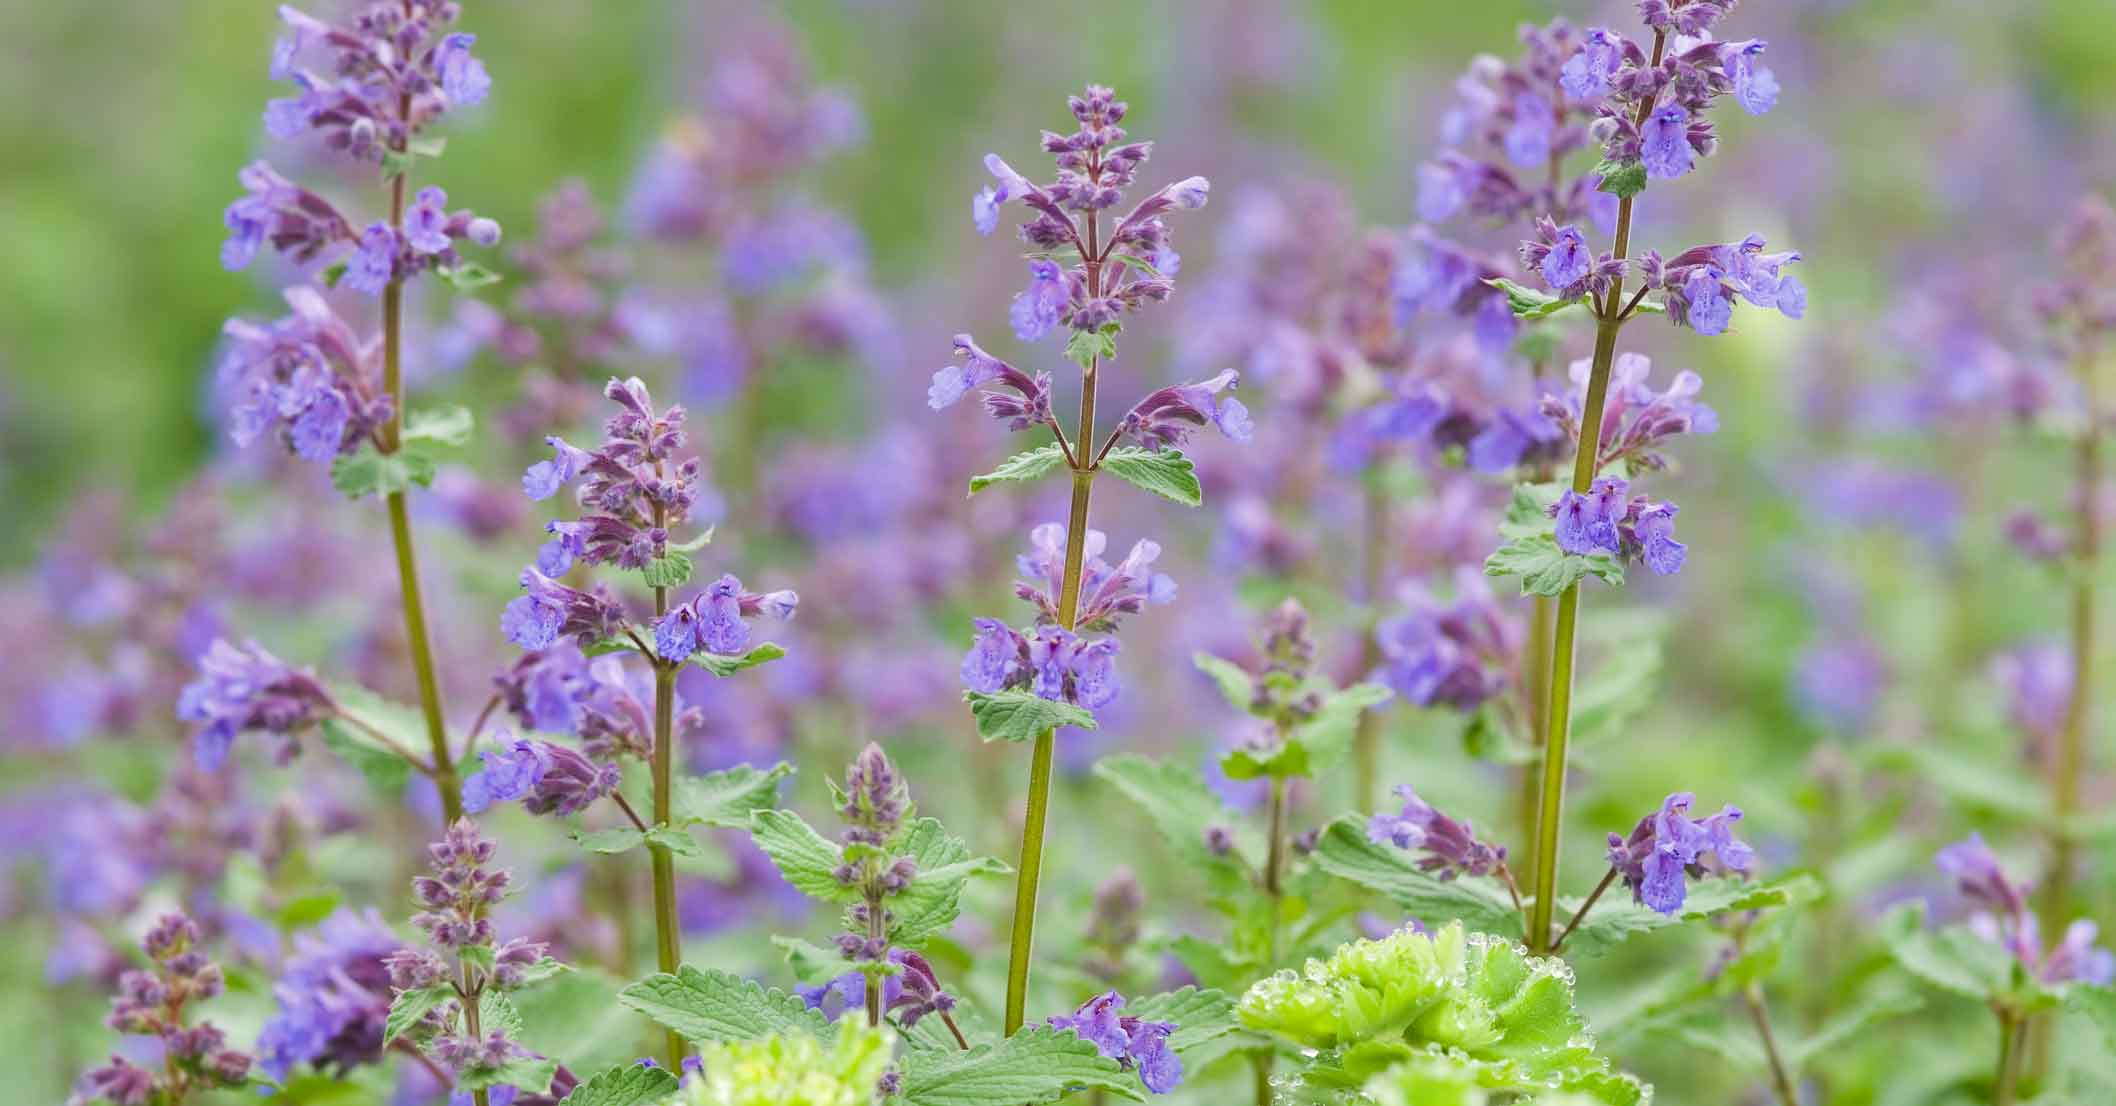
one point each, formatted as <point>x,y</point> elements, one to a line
<point>1373,568</point>
<point>1535,688</point>
<point>668,939</point>
<point>1781,1079</point>
<point>470,1024</point>
<point>1274,889</point>
<point>415,635</point>
<point>2009,1058</point>
<point>2068,764</point>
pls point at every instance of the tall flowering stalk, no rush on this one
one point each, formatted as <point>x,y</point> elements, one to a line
<point>1083,278</point>
<point>1651,125</point>
<point>389,74</point>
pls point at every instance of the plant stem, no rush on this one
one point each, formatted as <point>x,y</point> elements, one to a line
<point>1274,890</point>
<point>2068,764</point>
<point>1550,807</point>
<point>1781,1079</point>
<point>415,635</point>
<point>1372,568</point>
<point>1030,867</point>
<point>1535,686</point>
<point>1580,915</point>
<point>668,942</point>
<point>2009,1057</point>
<point>470,1024</point>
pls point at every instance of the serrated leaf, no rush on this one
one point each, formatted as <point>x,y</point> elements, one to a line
<point>1546,570</point>
<point>802,855</point>
<point>1020,716</point>
<point>1952,959</point>
<point>1039,1064</point>
<point>607,646</point>
<point>675,839</point>
<point>710,1005</point>
<point>408,1007</point>
<point>1527,303</point>
<point>1612,922</point>
<point>1620,178</point>
<point>1327,734</point>
<point>695,544</point>
<point>933,900</point>
<point>1235,683</point>
<point>1085,347</point>
<point>629,1085</point>
<point>1201,1015</point>
<point>1182,806</point>
<point>1616,690</point>
<point>811,963</point>
<point>720,665</point>
<point>1166,473</point>
<point>1021,468</point>
<point>385,771</point>
<point>367,472</point>
<point>727,798</point>
<point>1281,761</point>
<point>468,276</point>
<point>385,768</point>
<point>620,840</point>
<point>1344,851</point>
<point>531,1076</point>
<point>670,571</point>
<point>450,426</point>
<point>1528,512</point>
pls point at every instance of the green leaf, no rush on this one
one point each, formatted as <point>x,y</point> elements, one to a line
<point>468,276</point>
<point>1546,570</point>
<point>695,544</point>
<point>1952,959</point>
<point>727,798</point>
<point>933,900</point>
<point>1327,734</point>
<point>621,840</point>
<point>532,1076</point>
<point>802,855</point>
<point>710,1005</point>
<point>1621,179</point>
<point>1854,1023</point>
<point>1527,303</point>
<point>1181,805</point>
<point>1616,691</point>
<point>1166,473</point>
<point>629,1085</point>
<point>609,645</point>
<point>449,426</point>
<point>385,768</point>
<point>368,473</point>
<point>408,1007</point>
<point>1137,263</point>
<point>672,570</point>
<point>1201,1015</point>
<point>1085,347</point>
<point>386,772</point>
<point>1235,683</point>
<point>811,963</point>
<point>1020,716</point>
<point>723,666</point>
<point>1021,468</point>
<point>1344,851</point>
<point>2098,1005</point>
<point>1282,761</point>
<point>1039,1064</point>
<point>675,839</point>
<point>1528,512</point>
<point>1612,922</point>
<point>307,910</point>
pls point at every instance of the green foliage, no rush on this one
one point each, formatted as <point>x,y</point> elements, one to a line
<point>1344,851</point>
<point>794,1069</point>
<point>705,1004</point>
<point>726,799</point>
<point>367,472</point>
<point>1166,473</point>
<point>1021,468</point>
<point>468,276</point>
<point>624,839</point>
<point>1234,682</point>
<point>1962,963</point>
<point>1182,806</point>
<point>408,1007</point>
<point>1531,548</point>
<point>672,570</point>
<point>1622,179</point>
<point>448,426</point>
<point>1481,1005</point>
<point>629,1085</point>
<point>385,768</point>
<point>1612,922</point>
<point>723,666</point>
<point>803,856</point>
<point>934,898</point>
<point>1201,1015</point>
<point>1085,347</point>
<point>1527,303</point>
<point>1021,716</point>
<point>1038,1064</point>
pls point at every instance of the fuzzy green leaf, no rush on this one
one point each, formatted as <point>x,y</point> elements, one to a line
<point>802,855</point>
<point>1021,468</point>
<point>670,571</point>
<point>1181,805</point>
<point>728,797</point>
<point>1546,570</point>
<point>933,900</point>
<point>629,1085</point>
<point>1613,920</point>
<point>386,772</point>
<point>1622,179</point>
<point>367,472</point>
<point>1344,851</point>
<point>695,544</point>
<point>1085,347</point>
<point>1020,716</point>
<point>720,665</point>
<point>450,426</point>
<point>1200,1015</point>
<point>1037,1065</point>
<point>468,276</point>
<point>621,840</point>
<point>1166,473</point>
<point>711,1005</point>
<point>1527,303</point>
<point>527,1075</point>
<point>1853,1023</point>
<point>408,1007</point>
<point>1952,959</point>
<point>1235,683</point>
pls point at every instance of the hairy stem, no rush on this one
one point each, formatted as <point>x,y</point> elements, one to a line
<point>470,1024</point>
<point>1535,688</point>
<point>1781,1079</point>
<point>1021,943</point>
<point>415,635</point>
<point>1373,567</point>
<point>668,939</point>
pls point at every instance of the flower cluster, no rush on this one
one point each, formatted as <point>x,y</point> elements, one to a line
<point>239,689</point>
<point>306,376</point>
<point>333,996</point>
<point>1106,591</point>
<point>1451,848</point>
<point>1699,285</point>
<point>152,1003</point>
<point>1456,654</point>
<point>1667,846</point>
<point>547,777</point>
<point>1636,420</point>
<point>1168,417</point>
<point>1652,109</point>
<point>465,960</point>
<point>2004,919</point>
<point>1136,1043</point>
<point>1607,519</point>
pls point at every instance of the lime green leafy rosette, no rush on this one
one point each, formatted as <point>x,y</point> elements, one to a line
<point>1441,1019</point>
<point>793,1069</point>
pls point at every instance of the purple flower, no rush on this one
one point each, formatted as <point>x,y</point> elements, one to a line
<point>463,77</point>
<point>544,776</point>
<point>1569,261</point>
<point>318,433</point>
<point>1979,877</point>
<point>2037,680</point>
<point>1036,309</point>
<point>1666,847</point>
<point>1586,74</point>
<point>1755,87</point>
<point>1512,437</point>
<point>1133,1042</point>
<point>1528,139</point>
<point>1451,848</point>
<point>373,264</point>
<point>426,224</point>
<point>1444,188</point>
<point>995,658</point>
<point>1655,530</point>
<point>1587,523</point>
<point>544,478</point>
<point>1169,416</point>
<point>1664,144</point>
<point>714,619</point>
<point>246,689</point>
<point>334,996</point>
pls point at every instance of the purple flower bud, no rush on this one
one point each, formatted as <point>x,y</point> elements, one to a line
<point>463,77</point>
<point>1169,416</point>
<point>1568,261</point>
<point>1189,194</point>
<point>484,232</point>
<point>1036,309</point>
<point>373,264</point>
<point>1451,848</point>
<point>426,224</point>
